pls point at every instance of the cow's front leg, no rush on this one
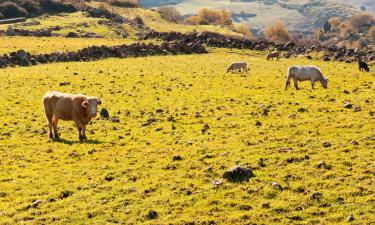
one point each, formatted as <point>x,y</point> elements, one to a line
<point>312,84</point>
<point>84,132</point>
<point>296,84</point>
<point>79,127</point>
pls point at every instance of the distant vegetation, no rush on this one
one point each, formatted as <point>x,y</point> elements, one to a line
<point>358,31</point>
<point>277,32</point>
<point>210,17</point>
<point>124,3</point>
<point>169,13</point>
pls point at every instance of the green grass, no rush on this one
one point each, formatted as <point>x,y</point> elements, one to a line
<point>196,91</point>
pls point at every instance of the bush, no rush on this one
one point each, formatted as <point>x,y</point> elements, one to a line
<point>125,3</point>
<point>243,29</point>
<point>319,34</point>
<point>210,17</point>
<point>335,23</point>
<point>169,13</point>
<point>12,10</point>
<point>346,28</point>
<point>57,6</point>
<point>362,20</point>
<point>277,32</point>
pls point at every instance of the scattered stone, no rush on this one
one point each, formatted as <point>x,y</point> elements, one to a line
<point>238,174</point>
<point>258,124</point>
<point>171,119</point>
<point>276,186</point>
<point>36,203</point>
<point>22,57</point>
<point>205,128</point>
<point>302,110</point>
<point>216,183</point>
<point>357,108</point>
<point>350,218</point>
<point>115,119</point>
<point>65,194</point>
<point>323,165</point>
<point>104,113</point>
<point>346,92</point>
<point>285,149</point>
<point>316,196</point>
<point>261,162</point>
<point>72,35</point>
<point>92,151</point>
<point>371,113</point>
<point>64,83</point>
<point>348,106</point>
<point>10,31</point>
<point>152,215</point>
<point>355,143</point>
<point>266,205</point>
<point>327,144</point>
<point>109,177</point>
<point>177,158</point>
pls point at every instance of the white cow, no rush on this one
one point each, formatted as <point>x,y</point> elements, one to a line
<point>302,73</point>
<point>237,66</point>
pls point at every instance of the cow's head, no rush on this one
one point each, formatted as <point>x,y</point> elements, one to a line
<point>91,105</point>
<point>324,83</point>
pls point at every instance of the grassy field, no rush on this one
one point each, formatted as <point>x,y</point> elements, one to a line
<point>126,169</point>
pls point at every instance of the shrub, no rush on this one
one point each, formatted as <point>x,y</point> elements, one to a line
<point>243,29</point>
<point>362,20</point>
<point>346,28</point>
<point>57,6</point>
<point>169,13</point>
<point>125,3</point>
<point>319,34</point>
<point>213,17</point>
<point>277,32</point>
<point>335,23</point>
<point>10,10</point>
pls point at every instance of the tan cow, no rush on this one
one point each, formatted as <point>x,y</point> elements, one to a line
<point>271,55</point>
<point>78,108</point>
<point>303,73</point>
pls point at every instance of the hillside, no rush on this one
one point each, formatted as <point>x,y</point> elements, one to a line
<point>302,16</point>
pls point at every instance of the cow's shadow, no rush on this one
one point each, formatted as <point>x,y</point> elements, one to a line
<point>71,142</point>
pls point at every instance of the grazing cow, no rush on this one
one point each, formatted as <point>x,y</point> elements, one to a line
<point>237,66</point>
<point>302,73</point>
<point>274,54</point>
<point>363,66</point>
<point>78,108</point>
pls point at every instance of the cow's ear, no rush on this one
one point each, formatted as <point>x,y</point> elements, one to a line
<point>85,103</point>
<point>99,101</point>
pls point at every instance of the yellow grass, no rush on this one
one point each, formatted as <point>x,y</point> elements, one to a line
<point>195,90</point>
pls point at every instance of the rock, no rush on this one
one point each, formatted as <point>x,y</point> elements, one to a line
<point>371,113</point>
<point>22,58</point>
<point>152,215</point>
<point>327,144</point>
<point>205,128</point>
<point>323,165</point>
<point>350,218</point>
<point>216,183</point>
<point>355,143</point>
<point>10,31</point>
<point>302,110</point>
<point>266,205</point>
<point>36,203</point>
<point>276,186</point>
<point>238,174</point>
<point>171,119</point>
<point>357,108</point>
<point>64,83</point>
<point>348,105</point>
<point>261,162</point>
<point>72,35</point>
<point>104,113</point>
<point>309,57</point>
<point>115,119</point>
<point>177,158</point>
<point>65,194</point>
<point>316,196</point>
<point>92,151</point>
<point>258,124</point>
<point>109,177</point>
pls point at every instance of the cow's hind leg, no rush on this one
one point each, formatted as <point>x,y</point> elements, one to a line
<point>55,120</point>
<point>49,121</point>
<point>312,84</point>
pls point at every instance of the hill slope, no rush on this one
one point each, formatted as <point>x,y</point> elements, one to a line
<point>305,15</point>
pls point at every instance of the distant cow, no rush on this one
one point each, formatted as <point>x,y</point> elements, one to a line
<point>78,108</point>
<point>363,66</point>
<point>237,66</point>
<point>302,73</point>
<point>271,55</point>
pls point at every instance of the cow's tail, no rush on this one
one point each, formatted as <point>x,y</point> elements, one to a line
<point>288,78</point>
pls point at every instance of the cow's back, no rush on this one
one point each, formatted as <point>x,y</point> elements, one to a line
<point>305,72</point>
<point>63,106</point>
